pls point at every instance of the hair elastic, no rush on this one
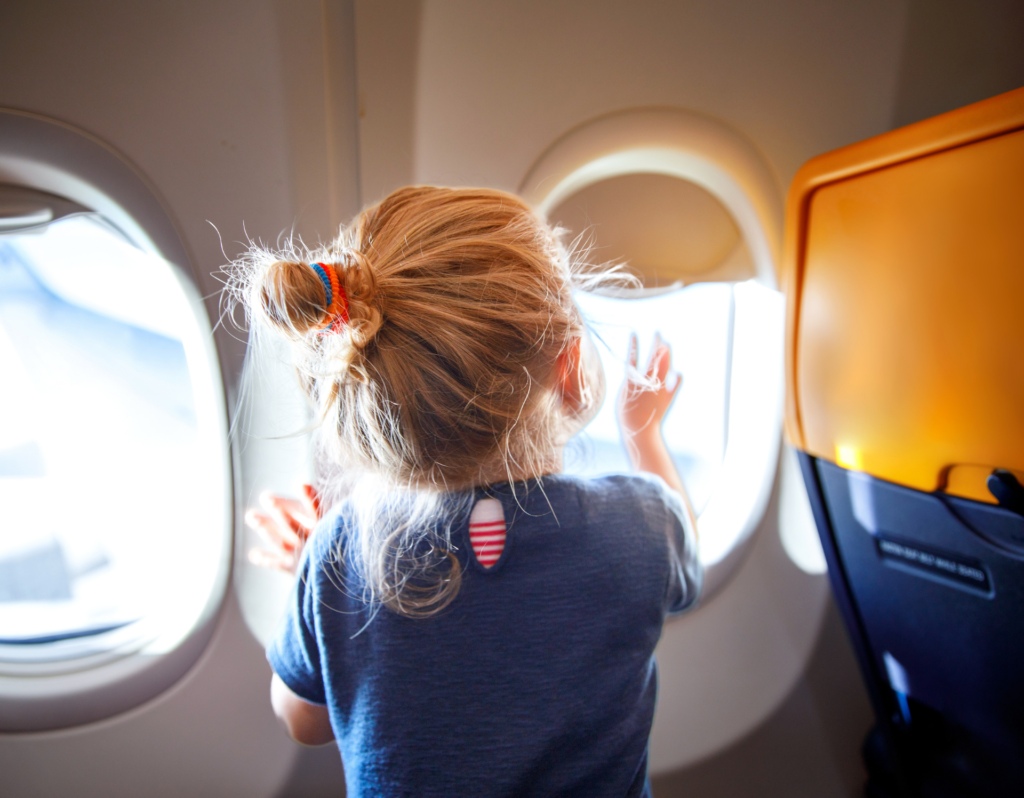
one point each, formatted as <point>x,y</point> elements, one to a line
<point>328,288</point>
<point>337,299</point>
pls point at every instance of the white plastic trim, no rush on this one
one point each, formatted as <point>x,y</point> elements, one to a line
<point>676,143</point>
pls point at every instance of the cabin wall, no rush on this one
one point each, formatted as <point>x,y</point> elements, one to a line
<point>497,83</point>
<point>956,52</point>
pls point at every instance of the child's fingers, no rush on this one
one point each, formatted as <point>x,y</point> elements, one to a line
<point>255,520</point>
<point>311,500</point>
<point>652,358</point>
<point>675,387</point>
<point>289,514</point>
<point>301,515</point>
<point>631,356</point>
<point>284,528</point>
<point>660,361</point>
<point>664,363</point>
<point>269,530</point>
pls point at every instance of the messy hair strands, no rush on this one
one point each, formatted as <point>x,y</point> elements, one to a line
<point>460,303</point>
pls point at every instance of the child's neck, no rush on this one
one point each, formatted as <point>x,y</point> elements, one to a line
<point>552,464</point>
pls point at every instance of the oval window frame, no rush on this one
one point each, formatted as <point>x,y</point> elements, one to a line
<point>49,156</point>
<point>704,151</point>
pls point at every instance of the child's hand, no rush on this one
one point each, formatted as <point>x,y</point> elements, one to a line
<point>641,411</point>
<point>285,526</point>
<point>641,408</point>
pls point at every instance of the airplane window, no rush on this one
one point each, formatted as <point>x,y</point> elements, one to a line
<point>685,201</point>
<point>111,500</point>
<point>722,431</point>
<point>697,323</point>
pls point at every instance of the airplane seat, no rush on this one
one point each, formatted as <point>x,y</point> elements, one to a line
<point>904,280</point>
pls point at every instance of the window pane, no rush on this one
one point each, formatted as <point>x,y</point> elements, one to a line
<point>696,322</point>
<point>104,477</point>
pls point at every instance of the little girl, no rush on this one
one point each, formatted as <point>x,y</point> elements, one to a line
<point>467,620</point>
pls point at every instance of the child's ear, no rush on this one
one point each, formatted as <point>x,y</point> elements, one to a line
<point>569,369</point>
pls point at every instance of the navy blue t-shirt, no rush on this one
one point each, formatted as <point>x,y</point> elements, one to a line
<point>537,680</point>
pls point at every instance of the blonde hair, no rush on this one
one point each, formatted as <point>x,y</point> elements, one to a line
<point>459,305</point>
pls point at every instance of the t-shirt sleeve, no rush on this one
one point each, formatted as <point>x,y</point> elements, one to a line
<point>686,574</point>
<point>293,653</point>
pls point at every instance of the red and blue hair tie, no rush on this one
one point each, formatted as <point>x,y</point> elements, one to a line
<point>335,296</point>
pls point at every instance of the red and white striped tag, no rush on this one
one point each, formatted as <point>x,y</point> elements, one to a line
<point>487,531</point>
